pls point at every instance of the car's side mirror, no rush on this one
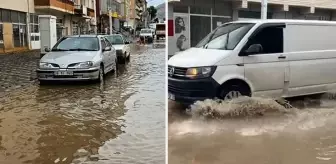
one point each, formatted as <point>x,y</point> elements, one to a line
<point>254,49</point>
<point>47,49</point>
<point>107,49</point>
<point>127,42</point>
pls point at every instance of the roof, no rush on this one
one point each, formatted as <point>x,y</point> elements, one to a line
<point>86,36</point>
<point>260,21</point>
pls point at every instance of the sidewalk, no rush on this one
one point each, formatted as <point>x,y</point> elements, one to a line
<point>18,69</point>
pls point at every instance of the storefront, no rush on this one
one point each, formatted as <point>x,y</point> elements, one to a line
<point>13,30</point>
<point>189,21</point>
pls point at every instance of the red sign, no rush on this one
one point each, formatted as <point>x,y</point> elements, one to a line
<point>170,27</point>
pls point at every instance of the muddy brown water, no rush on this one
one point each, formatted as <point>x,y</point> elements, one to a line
<point>120,121</point>
<point>303,134</point>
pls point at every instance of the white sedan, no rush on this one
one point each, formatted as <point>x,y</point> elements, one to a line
<point>122,47</point>
<point>84,57</point>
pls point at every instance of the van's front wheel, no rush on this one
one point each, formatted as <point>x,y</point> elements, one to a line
<point>233,91</point>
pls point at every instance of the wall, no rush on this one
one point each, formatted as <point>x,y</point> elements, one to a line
<point>18,5</point>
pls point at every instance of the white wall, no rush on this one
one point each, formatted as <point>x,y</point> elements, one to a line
<point>171,43</point>
<point>18,5</point>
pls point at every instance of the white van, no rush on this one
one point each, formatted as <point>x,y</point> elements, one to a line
<point>272,58</point>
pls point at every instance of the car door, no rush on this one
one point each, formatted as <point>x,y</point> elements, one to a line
<point>112,53</point>
<point>106,55</point>
<point>267,68</point>
<point>126,46</point>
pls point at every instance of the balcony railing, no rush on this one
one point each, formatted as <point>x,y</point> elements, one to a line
<point>61,5</point>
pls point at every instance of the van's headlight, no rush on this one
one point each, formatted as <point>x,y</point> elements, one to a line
<point>200,72</point>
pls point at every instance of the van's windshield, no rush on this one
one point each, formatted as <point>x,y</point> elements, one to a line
<point>225,37</point>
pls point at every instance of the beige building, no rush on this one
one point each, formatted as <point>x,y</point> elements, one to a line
<point>19,23</point>
<point>14,25</point>
<point>136,11</point>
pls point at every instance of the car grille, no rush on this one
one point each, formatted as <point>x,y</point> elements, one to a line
<point>178,72</point>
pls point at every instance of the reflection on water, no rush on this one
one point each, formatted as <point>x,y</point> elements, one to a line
<point>121,120</point>
<point>303,134</point>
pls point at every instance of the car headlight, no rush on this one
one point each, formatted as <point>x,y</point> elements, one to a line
<point>44,65</point>
<point>87,64</point>
<point>200,72</point>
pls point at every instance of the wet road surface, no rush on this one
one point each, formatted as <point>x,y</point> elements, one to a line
<point>303,134</point>
<point>120,121</point>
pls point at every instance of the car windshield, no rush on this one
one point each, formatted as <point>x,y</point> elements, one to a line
<point>115,39</point>
<point>77,44</point>
<point>146,31</point>
<point>225,37</point>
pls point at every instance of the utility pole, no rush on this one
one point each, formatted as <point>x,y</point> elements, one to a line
<point>264,9</point>
<point>110,18</point>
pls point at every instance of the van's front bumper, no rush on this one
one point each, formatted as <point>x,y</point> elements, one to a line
<point>188,91</point>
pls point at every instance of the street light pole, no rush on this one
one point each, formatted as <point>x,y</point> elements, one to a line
<point>264,9</point>
<point>110,18</point>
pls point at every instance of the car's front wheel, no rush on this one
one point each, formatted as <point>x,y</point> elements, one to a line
<point>101,74</point>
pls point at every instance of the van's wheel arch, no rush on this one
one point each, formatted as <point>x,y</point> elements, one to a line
<point>234,88</point>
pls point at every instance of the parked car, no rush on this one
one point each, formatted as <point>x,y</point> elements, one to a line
<point>122,46</point>
<point>147,35</point>
<point>271,58</point>
<point>84,57</point>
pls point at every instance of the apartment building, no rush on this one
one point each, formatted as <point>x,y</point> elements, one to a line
<point>73,16</point>
<point>14,24</point>
<point>206,15</point>
<point>106,7</point>
<point>19,22</point>
<point>136,12</point>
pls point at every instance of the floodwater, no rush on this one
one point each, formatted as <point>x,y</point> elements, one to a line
<point>253,130</point>
<point>120,121</point>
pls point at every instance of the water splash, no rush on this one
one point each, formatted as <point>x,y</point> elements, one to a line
<point>236,108</point>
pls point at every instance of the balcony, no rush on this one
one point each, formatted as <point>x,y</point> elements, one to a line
<point>64,6</point>
<point>90,12</point>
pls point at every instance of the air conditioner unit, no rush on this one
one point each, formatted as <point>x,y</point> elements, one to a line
<point>84,10</point>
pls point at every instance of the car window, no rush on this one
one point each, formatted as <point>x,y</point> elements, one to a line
<point>103,44</point>
<point>115,39</point>
<point>108,43</point>
<point>77,44</point>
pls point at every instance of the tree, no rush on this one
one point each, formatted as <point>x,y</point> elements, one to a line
<point>152,11</point>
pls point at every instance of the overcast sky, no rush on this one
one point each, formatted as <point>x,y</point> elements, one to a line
<point>154,2</point>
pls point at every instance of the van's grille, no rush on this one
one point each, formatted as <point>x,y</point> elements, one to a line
<point>177,71</point>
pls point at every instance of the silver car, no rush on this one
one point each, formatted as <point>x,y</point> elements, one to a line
<point>122,46</point>
<point>80,57</point>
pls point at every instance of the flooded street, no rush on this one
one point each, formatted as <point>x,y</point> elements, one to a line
<point>263,132</point>
<point>121,121</point>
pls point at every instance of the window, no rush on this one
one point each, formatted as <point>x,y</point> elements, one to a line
<point>1,36</point>
<point>22,17</point>
<point>77,44</point>
<point>16,35</point>
<point>270,38</point>
<point>108,43</point>
<point>103,44</point>
<point>115,39</point>
<point>225,37</point>
<point>5,16</point>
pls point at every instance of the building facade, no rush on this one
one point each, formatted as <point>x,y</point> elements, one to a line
<point>14,25</point>
<point>137,9</point>
<point>191,20</point>
<point>19,21</point>
<point>106,7</point>
<point>73,16</point>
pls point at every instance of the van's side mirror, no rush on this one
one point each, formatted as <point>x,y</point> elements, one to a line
<point>254,49</point>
